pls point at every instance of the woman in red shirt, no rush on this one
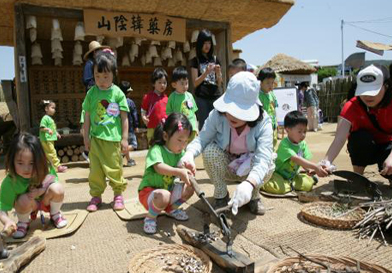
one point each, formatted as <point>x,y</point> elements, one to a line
<point>367,123</point>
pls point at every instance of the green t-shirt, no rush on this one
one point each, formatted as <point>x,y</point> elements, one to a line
<point>104,107</point>
<point>11,188</point>
<point>284,166</point>
<point>183,103</point>
<point>159,154</point>
<point>48,122</point>
<point>270,104</point>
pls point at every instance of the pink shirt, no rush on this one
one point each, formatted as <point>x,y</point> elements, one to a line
<point>238,142</point>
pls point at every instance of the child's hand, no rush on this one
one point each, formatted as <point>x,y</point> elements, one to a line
<point>145,120</point>
<point>50,132</point>
<point>321,171</point>
<point>9,227</point>
<point>34,193</point>
<point>124,146</point>
<point>184,176</point>
<point>58,136</point>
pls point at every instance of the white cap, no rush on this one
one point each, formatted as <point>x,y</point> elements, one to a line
<point>241,99</point>
<point>369,81</point>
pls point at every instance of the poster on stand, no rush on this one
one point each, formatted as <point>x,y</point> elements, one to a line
<point>287,102</point>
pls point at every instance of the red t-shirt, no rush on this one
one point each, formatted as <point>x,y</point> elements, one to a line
<point>355,113</point>
<point>155,107</point>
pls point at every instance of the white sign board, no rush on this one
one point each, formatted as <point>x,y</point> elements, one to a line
<point>287,102</point>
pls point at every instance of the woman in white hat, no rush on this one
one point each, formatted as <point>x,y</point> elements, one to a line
<point>366,123</point>
<point>236,142</point>
<point>88,73</point>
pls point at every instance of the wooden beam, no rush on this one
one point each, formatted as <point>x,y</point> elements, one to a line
<point>221,52</point>
<point>202,24</point>
<point>21,79</point>
<point>52,12</point>
<point>216,250</point>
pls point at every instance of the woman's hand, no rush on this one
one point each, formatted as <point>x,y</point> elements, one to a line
<point>187,161</point>
<point>210,67</point>
<point>124,146</point>
<point>218,69</point>
<point>387,166</point>
<point>184,176</point>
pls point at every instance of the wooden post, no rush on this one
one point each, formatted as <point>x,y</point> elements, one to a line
<point>21,79</point>
<point>221,52</point>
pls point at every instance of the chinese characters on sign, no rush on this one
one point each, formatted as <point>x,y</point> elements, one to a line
<point>151,26</point>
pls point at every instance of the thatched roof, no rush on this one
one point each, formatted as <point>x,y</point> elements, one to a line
<point>245,16</point>
<point>282,63</point>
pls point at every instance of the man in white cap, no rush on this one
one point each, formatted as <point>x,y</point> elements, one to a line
<point>236,142</point>
<point>366,120</point>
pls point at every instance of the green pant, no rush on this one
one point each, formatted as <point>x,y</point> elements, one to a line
<point>278,185</point>
<point>105,162</point>
<point>50,152</point>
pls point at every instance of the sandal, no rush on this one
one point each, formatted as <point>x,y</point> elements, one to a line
<point>118,202</point>
<point>94,204</point>
<point>179,215</point>
<point>21,230</point>
<point>150,226</point>
<point>58,220</point>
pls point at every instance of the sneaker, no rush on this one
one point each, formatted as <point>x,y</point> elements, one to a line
<point>178,214</point>
<point>118,202</point>
<point>94,204</point>
<point>62,168</point>
<point>131,163</point>
<point>150,226</point>
<point>221,202</point>
<point>58,220</point>
<point>85,156</point>
<point>256,206</point>
<point>21,230</point>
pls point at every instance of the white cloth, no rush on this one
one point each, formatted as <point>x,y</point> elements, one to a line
<point>241,166</point>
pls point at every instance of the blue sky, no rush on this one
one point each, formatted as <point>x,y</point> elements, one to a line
<point>310,30</point>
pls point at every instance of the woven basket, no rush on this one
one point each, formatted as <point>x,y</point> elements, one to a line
<point>168,258</point>
<point>319,213</point>
<point>297,264</point>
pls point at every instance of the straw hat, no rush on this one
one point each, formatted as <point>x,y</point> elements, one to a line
<point>94,45</point>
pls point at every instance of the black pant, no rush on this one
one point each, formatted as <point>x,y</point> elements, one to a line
<point>204,108</point>
<point>365,151</point>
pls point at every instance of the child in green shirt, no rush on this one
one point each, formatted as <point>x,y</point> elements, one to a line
<point>293,153</point>
<point>48,135</point>
<point>158,190</point>
<point>105,132</point>
<point>181,101</point>
<point>268,99</point>
<point>29,186</point>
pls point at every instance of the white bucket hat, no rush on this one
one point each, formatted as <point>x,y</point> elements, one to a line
<point>56,34</point>
<point>132,58</point>
<point>143,60</point>
<point>125,60</point>
<point>157,61</point>
<point>171,63</point>
<point>186,47</point>
<point>36,50</point>
<point>148,57</point>
<point>77,58</point>
<point>78,48</point>
<point>370,81</point>
<point>79,32</point>
<point>36,61</point>
<point>152,50</point>
<point>172,44</point>
<point>241,99</point>
<point>31,22</point>
<point>58,62</point>
<point>179,56</point>
<point>155,43</point>
<point>134,51</point>
<point>33,34</point>
<point>56,45</point>
<point>57,54</point>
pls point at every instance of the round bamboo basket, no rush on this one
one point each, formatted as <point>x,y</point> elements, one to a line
<point>171,258</point>
<point>340,264</point>
<point>329,214</point>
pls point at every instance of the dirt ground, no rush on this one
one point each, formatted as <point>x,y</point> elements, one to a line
<point>105,243</point>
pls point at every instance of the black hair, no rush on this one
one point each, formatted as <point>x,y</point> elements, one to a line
<point>253,123</point>
<point>294,118</point>
<point>158,73</point>
<point>105,61</point>
<point>204,36</point>
<point>46,103</point>
<point>27,141</point>
<point>124,86</point>
<point>266,73</point>
<point>238,63</point>
<point>170,126</point>
<point>303,84</point>
<point>179,73</point>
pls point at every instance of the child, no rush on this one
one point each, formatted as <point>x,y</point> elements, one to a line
<point>48,135</point>
<point>237,65</point>
<point>267,97</point>
<point>236,142</point>
<point>30,185</point>
<point>293,152</point>
<point>181,101</point>
<point>312,104</point>
<point>105,132</point>
<point>157,190</point>
<point>133,122</point>
<point>154,103</point>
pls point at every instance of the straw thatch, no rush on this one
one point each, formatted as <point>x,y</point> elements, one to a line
<point>245,16</point>
<point>282,63</point>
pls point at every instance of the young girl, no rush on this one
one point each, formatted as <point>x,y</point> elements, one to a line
<point>105,132</point>
<point>206,75</point>
<point>236,142</point>
<point>30,185</point>
<point>48,135</point>
<point>157,190</point>
<point>154,102</point>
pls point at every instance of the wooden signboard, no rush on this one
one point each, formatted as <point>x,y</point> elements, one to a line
<point>121,24</point>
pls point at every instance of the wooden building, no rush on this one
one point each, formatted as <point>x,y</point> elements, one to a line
<point>229,21</point>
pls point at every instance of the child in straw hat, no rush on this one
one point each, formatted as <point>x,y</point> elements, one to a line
<point>236,142</point>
